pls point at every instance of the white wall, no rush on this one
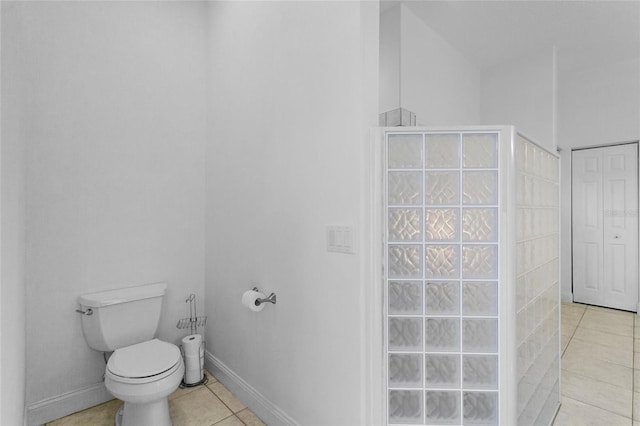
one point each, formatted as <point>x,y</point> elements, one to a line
<point>288,128</point>
<point>521,93</point>
<point>115,94</point>
<point>422,72</point>
<point>434,80</point>
<point>599,105</point>
<point>438,84</point>
<point>389,63</point>
<point>12,228</point>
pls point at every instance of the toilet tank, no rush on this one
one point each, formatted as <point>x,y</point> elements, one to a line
<point>122,317</point>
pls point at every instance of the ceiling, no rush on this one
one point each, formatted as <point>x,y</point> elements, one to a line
<point>487,33</point>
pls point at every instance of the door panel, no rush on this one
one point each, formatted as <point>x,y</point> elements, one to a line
<point>592,264</point>
<point>587,226</point>
<point>617,257</point>
<point>605,226</point>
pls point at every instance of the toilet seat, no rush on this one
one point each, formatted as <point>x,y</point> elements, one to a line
<point>143,362</point>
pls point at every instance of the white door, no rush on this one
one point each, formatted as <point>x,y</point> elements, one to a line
<point>605,226</point>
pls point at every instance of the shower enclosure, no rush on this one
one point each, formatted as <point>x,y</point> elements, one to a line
<point>471,293</point>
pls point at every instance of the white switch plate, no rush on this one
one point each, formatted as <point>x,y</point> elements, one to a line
<point>340,239</point>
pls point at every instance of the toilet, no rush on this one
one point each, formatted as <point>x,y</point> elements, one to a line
<point>142,371</point>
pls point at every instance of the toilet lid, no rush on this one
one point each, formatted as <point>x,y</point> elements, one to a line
<point>144,359</point>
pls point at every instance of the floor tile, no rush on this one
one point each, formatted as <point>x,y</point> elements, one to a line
<point>100,415</point>
<point>603,371</point>
<point>574,413</point>
<point>566,338</point>
<point>603,338</point>
<point>567,329</point>
<point>597,367</point>
<point>607,323</point>
<point>200,407</point>
<point>610,311</point>
<point>571,317</point>
<point>581,348</point>
<point>573,307</point>
<point>249,419</point>
<point>182,392</point>
<point>599,394</point>
<point>229,399</point>
<point>230,421</point>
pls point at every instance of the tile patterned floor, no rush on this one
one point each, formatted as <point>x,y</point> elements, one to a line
<point>600,367</point>
<point>212,404</point>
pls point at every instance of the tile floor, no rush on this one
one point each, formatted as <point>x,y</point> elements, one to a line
<point>600,385</point>
<point>212,404</point>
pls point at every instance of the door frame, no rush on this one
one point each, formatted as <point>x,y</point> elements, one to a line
<point>637,210</point>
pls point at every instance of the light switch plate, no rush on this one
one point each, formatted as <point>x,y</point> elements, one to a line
<point>340,239</point>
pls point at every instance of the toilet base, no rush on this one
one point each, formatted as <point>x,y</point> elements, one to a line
<point>155,413</point>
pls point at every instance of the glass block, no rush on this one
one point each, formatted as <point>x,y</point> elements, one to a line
<point>442,151</point>
<point>442,261</point>
<point>480,150</point>
<point>405,406</point>
<point>405,151</point>
<point>480,372</point>
<point>442,371</point>
<point>442,298</point>
<point>405,298</point>
<point>479,261</point>
<point>480,224</point>
<point>480,408</point>
<point>442,188</point>
<point>443,408</point>
<point>480,335</point>
<point>480,298</point>
<point>405,261</point>
<point>405,370</point>
<point>405,334</point>
<point>441,224</point>
<point>480,188</point>
<point>404,188</point>
<point>405,224</point>
<point>443,335</point>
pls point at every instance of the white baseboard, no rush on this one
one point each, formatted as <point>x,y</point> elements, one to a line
<point>268,412</point>
<point>67,403</point>
<point>566,297</point>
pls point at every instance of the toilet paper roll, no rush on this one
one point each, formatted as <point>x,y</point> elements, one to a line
<point>193,358</point>
<point>192,344</point>
<point>193,376</point>
<point>249,300</point>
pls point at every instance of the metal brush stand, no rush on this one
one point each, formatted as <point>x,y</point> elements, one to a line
<point>192,323</point>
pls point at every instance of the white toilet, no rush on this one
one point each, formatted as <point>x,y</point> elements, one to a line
<point>142,371</point>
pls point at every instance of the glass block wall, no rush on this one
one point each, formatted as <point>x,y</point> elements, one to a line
<point>537,291</point>
<point>471,278</point>
<point>442,319</point>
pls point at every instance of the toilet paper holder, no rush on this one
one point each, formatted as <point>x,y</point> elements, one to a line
<point>271,298</point>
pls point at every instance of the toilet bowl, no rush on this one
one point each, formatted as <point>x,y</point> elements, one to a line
<point>143,376</point>
<point>142,371</point>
